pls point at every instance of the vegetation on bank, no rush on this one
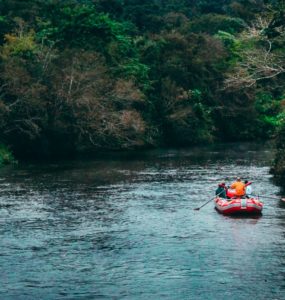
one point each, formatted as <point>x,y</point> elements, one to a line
<point>78,76</point>
<point>6,156</point>
<point>278,167</point>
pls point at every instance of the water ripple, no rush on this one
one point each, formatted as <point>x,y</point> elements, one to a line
<point>126,228</point>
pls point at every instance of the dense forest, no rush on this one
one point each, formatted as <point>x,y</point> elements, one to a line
<point>89,75</point>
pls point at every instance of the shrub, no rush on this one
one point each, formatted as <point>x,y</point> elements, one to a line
<point>6,156</point>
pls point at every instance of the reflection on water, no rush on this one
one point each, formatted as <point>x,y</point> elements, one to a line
<point>125,228</point>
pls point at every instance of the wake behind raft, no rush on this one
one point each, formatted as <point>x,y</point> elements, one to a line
<point>238,205</point>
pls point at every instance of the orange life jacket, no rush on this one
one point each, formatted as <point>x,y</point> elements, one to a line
<point>239,187</point>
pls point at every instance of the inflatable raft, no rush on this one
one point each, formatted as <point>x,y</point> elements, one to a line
<point>238,206</point>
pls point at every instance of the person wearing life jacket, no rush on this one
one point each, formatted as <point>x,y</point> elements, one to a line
<point>248,189</point>
<point>239,187</point>
<point>221,190</point>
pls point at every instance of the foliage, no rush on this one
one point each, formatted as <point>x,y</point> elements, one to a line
<point>278,167</point>
<point>212,23</point>
<point>112,74</point>
<point>18,45</point>
<point>6,156</point>
<point>232,44</point>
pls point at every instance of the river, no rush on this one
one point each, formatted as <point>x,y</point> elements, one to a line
<point>125,228</point>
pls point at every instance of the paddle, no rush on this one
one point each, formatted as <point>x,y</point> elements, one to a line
<point>269,197</point>
<point>198,208</point>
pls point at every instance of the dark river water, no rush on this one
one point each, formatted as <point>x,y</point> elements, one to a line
<point>125,228</point>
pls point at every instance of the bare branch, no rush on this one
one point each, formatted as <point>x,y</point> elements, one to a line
<point>257,63</point>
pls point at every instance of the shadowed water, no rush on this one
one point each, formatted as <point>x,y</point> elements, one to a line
<point>125,228</point>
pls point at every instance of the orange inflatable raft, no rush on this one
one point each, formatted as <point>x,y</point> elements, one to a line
<point>238,206</point>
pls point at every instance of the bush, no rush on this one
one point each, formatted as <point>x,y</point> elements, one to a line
<point>278,167</point>
<point>212,23</point>
<point>270,114</point>
<point>6,156</point>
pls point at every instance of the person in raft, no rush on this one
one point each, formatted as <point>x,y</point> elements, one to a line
<point>248,189</point>
<point>239,187</point>
<point>221,190</point>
